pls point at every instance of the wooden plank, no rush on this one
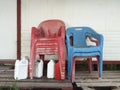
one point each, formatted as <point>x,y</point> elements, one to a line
<point>108,84</point>
<point>98,80</point>
<point>109,79</point>
<point>94,75</point>
<point>36,84</point>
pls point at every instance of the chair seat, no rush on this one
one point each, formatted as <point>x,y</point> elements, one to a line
<point>93,54</point>
<point>86,49</point>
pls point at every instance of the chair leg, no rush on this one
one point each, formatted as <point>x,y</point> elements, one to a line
<point>73,70</point>
<point>61,56</point>
<point>62,71</point>
<point>31,68</point>
<point>100,67</point>
<point>69,67</point>
<point>62,65</point>
<point>57,71</point>
<point>90,64</point>
<point>31,62</point>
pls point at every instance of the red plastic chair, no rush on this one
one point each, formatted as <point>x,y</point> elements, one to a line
<point>48,39</point>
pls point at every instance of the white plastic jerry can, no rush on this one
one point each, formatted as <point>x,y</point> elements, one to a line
<point>50,69</point>
<point>38,69</point>
<point>21,69</point>
<point>16,69</point>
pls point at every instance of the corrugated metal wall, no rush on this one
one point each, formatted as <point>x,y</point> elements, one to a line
<point>102,15</point>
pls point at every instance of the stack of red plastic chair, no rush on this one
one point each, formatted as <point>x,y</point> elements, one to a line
<point>48,39</point>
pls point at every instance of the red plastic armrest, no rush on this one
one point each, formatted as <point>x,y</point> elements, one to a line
<point>63,31</point>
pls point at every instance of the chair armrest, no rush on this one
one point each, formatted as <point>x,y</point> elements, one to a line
<point>94,40</point>
<point>99,37</point>
<point>62,32</point>
<point>101,40</point>
<point>33,32</point>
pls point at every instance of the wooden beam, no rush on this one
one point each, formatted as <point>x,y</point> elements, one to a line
<point>18,29</point>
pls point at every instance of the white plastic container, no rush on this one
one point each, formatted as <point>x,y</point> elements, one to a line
<point>38,69</point>
<point>50,69</point>
<point>21,69</point>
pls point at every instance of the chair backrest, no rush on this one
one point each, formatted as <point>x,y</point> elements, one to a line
<point>79,35</point>
<point>51,28</point>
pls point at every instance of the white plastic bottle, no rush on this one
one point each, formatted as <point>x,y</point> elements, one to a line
<point>50,69</point>
<point>38,69</point>
<point>21,69</point>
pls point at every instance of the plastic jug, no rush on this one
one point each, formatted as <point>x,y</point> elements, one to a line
<point>38,70</point>
<point>50,69</point>
<point>21,69</point>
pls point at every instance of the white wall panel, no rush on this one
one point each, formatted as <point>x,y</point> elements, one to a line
<point>8,29</point>
<point>101,15</point>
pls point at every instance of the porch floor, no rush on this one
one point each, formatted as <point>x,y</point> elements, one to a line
<point>109,79</point>
<point>83,79</point>
<point>7,80</point>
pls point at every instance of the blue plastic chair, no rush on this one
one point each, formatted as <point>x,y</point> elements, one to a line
<point>77,47</point>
